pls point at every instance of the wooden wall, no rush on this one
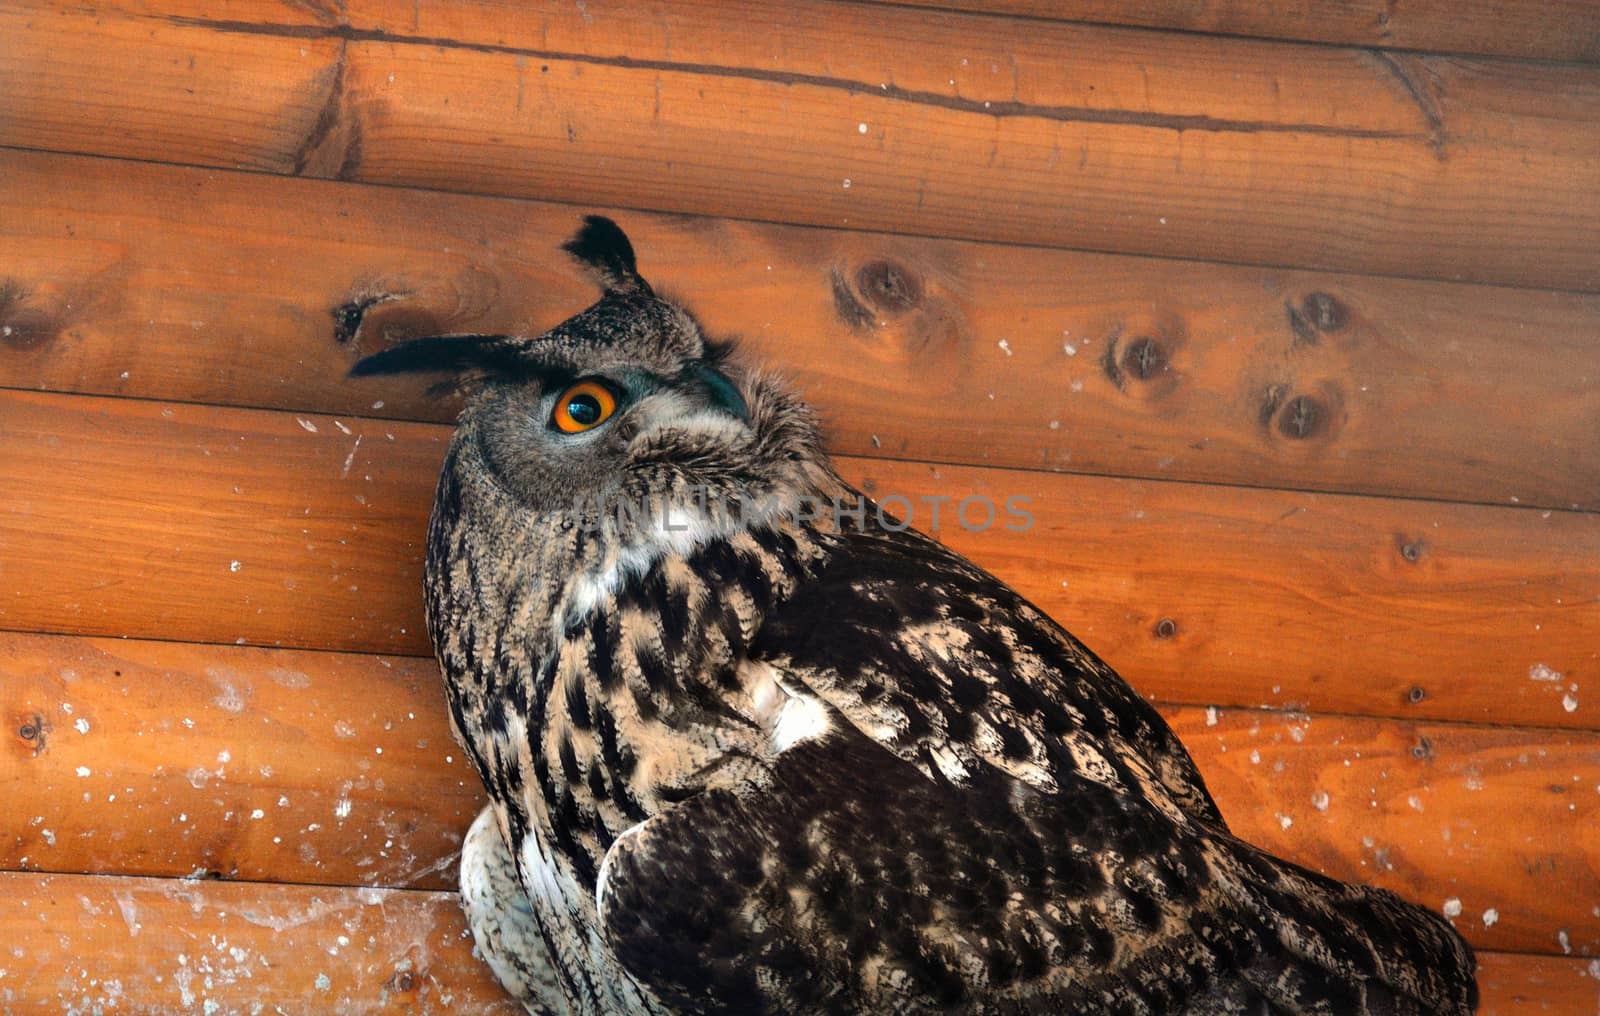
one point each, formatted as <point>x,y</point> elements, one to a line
<point>1286,320</point>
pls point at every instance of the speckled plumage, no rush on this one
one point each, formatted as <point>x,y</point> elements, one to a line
<point>758,760</point>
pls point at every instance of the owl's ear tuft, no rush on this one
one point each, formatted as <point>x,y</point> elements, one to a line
<point>604,248</point>
<point>452,354</point>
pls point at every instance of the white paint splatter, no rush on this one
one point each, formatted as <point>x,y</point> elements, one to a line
<point>323,983</point>
<point>306,425</point>
<point>1005,347</point>
<point>1452,907</point>
<point>81,725</point>
<point>1211,716</point>
<point>1569,702</point>
<point>1490,917</point>
<point>343,730</point>
<point>82,771</point>
<point>1320,800</point>
<point>258,814</point>
<point>1285,821</point>
<point>130,913</point>
<point>289,678</point>
<point>234,566</point>
<point>351,458</point>
<point>1565,942</point>
<point>1540,672</point>
<point>342,809</point>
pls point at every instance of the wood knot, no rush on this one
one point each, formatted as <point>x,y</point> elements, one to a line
<point>403,981</point>
<point>888,286</point>
<point>1303,417</point>
<point>1143,365</point>
<point>1144,359</point>
<point>1411,550</point>
<point>1317,315</point>
<point>373,320</point>
<point>1326,313</point>
<point>22,327</point>
<point>1166,628</point>
<point>34,731</point>
<point>1422,750</point>
<point>1416,694</point>
<point>850,310</point>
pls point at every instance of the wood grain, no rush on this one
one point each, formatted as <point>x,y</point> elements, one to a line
<point>162,758</point>
<point>1533,29</point>
<point>223,525</point>
<point>1143,142</point>
<point>1417,807</point>
<point>145,945</point>
<point>163,945</point>
<point>190,285</point>
<point>1421,808</point>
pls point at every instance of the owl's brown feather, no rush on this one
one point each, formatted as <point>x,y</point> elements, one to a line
<point>743,757</point>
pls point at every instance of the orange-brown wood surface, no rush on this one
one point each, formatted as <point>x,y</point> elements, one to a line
<point>153,758</point>
<point>1536,29</point>
<point>862,116</point>
<point>199,523</point>
<point>1289,349</point>
<point>180,284</point>
<point>95,943</point>
<point>161,758</point>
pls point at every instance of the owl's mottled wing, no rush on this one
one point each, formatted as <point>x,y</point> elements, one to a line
<point>950,668</point>
<point>991,820</point>
<point>853,882</point>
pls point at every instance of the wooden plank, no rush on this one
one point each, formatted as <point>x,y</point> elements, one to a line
<point>160,758</point>
<point>188,285</point>
<point>102,944</point>
<point>1142,143</point>
<point>212,525</point>
<point>259,101</point>
<point>1512,985</point>
<point>1531,29</point>
<point>252,948</point>
<point>1423,809</point>
<point>224,525</point>
<point>1418,807</point>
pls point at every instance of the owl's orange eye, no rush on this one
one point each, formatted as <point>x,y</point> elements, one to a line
<point>585,405</point>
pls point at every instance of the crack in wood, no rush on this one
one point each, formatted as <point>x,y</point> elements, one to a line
<point>1002,109</point>
<point>1400,68</point>
<point>333,146</point>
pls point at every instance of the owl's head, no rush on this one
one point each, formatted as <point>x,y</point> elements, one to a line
<point>623,402</point>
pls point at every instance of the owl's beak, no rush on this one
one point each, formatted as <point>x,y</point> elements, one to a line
<point>721,392</point>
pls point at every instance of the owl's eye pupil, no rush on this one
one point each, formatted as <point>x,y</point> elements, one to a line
<point>584,409</point>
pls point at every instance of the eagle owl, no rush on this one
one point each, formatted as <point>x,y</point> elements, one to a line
<point>749,756</point>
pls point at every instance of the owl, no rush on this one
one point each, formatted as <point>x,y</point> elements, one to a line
<point>753,746</point>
